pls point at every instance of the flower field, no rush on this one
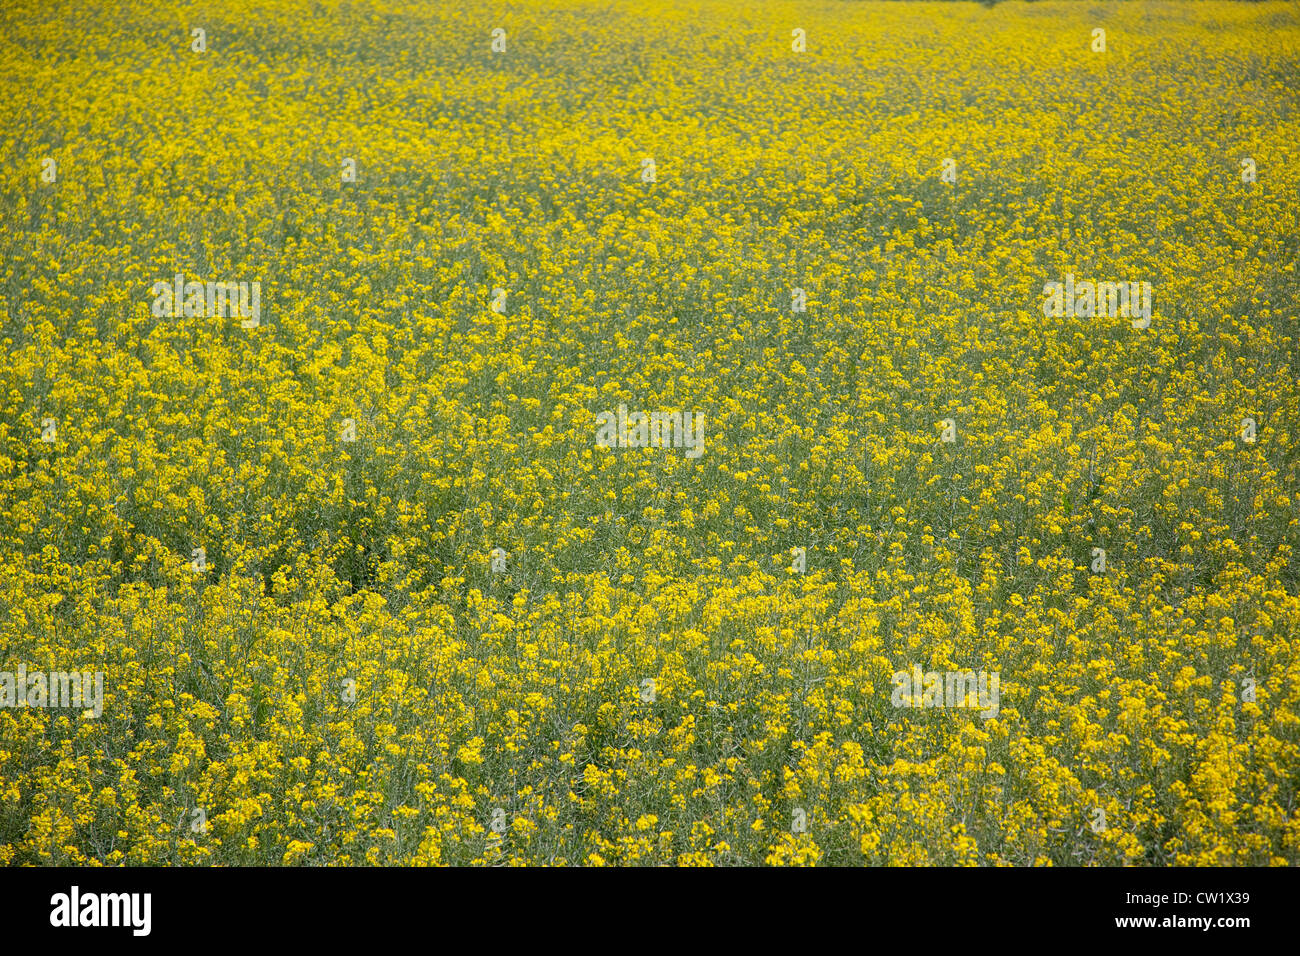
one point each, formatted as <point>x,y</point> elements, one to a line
<point>338,339</point>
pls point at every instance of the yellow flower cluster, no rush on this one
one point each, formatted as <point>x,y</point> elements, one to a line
<point>362,585</point>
